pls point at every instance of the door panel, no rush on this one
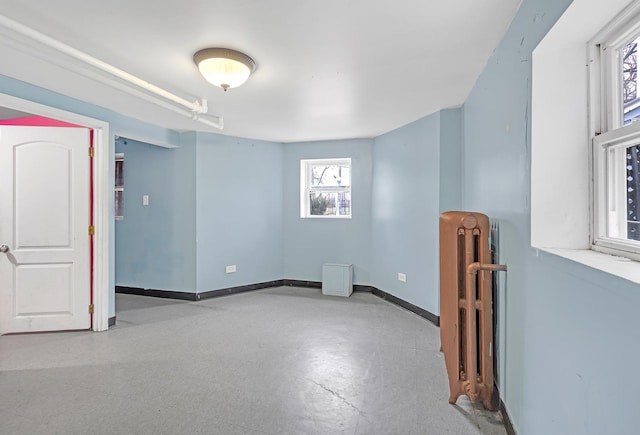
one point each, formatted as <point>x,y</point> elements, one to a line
<point>58,279</point>
<point>49,193</point>
<point>44,221</point>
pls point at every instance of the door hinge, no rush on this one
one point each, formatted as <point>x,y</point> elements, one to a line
<point>90,308</point>
<point>92,230</point>
<point>91,152</point>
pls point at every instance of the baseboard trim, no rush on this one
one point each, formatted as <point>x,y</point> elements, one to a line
<point>407,306</point>
<point>112,321</point>
<point>363,288</point>
<point>318,284</point>
<point>170,294</point>
<point>167,294</point>
<point>298,283</point>
<point>377,292</point>
<point>239,289</point>
<point>508,424</point>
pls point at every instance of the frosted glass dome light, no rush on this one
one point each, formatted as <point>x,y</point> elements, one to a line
<point>224,67</point>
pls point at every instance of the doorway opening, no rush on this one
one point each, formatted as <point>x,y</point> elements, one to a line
<point>100,206</point>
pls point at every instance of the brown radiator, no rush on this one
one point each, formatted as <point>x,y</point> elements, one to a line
<point>466,306</point>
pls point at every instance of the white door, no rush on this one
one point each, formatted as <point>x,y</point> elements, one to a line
<point>44,223</point>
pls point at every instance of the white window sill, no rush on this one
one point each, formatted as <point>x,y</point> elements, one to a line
<point>325,217</point>
<point>618,266</point>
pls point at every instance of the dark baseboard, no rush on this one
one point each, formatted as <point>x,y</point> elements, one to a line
<point>240,289</point>
<point>298,283</point>
<point>381,294</point>
<point>508,425</point>
<point>169,294</point>
<point>407,306</point>
<point>318,284</point>
<point>363,288</point>
<point>112,321</point>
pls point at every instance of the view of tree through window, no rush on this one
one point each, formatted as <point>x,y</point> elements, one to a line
<point>325,188</point>
<point>630,71</point>
<point>631,111</point>
<point>326,195</point>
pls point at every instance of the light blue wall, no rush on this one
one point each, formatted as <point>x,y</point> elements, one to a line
<point>156,244</point>
<point>239,211</point>
<point>406,186</point>
<point>308,243</point>
<point>570,330</point>
<point>116,122</point>
<point>215,201</point>
<point>451,159</point>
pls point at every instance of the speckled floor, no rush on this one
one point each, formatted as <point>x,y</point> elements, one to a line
<point>277,361</point>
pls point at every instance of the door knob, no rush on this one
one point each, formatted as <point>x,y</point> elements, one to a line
<point>4,249</point>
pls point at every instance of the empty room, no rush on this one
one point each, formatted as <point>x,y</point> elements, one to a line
<point>338,217</point>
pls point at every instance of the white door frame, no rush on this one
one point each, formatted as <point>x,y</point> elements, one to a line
<point>101,215</point>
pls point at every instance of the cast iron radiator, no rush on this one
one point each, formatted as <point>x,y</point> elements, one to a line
<point>466,305</point>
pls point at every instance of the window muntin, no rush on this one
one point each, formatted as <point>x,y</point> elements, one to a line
<point>325,186</point>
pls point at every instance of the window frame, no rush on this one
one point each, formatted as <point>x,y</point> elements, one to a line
<point>610,137</point>
<point>306,189</point>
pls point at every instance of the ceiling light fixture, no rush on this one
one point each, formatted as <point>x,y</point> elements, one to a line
<point>224,67</point>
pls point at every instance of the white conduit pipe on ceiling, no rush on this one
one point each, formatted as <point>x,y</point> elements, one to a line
<point>195,108</point>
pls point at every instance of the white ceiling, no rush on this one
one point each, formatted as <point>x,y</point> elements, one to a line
<point>330,69</point>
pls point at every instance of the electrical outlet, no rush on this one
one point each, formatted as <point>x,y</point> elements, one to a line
<point>145,199</point>
<point>402,277</point>
<point>230,269</point>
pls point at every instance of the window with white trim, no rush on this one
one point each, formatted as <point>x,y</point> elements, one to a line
<point>615,108</point>
<point>325,188</point>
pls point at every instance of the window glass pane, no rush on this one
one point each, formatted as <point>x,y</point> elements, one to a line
<point>322,204</point>
<point>330,203</point>
<point>119,204</point>
<point>119,173</point>
<point>633,192</point>
<point>344,204</point>
<point>330,175</point>
<point>630,100</point>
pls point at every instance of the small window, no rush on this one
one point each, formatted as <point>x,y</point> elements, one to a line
<point>325,188</point>
<point>616,142</point>
<point>119,187</point>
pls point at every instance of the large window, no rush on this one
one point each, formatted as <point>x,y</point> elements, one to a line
<point>615,107</point>
<point>325,188</point>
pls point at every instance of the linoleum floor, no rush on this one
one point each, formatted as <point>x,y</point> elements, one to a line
<point>284,360</point>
